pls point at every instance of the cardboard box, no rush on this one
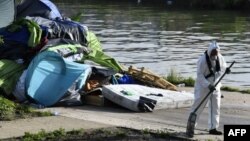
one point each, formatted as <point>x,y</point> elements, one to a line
<point>96,100</point>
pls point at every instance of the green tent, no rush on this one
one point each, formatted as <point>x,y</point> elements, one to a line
<point>10,71</point>
<point>98,56</point>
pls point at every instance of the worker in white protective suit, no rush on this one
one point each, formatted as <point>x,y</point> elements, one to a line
<point>210,67</point>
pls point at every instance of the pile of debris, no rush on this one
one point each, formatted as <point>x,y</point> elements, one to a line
<point>47,59</point>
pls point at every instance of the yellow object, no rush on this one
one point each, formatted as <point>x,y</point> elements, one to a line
<point>150,78</point>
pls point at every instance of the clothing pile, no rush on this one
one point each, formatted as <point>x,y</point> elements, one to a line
<point>48,59</point>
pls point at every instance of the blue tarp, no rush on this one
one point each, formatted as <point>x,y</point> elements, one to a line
<point>49,77</point>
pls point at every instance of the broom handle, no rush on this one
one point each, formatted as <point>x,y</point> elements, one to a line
<point>214,86</point>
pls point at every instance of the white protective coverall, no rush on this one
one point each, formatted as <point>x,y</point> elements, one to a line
<point>201,87</point>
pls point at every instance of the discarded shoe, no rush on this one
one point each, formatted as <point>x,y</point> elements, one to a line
<point>215,132</point>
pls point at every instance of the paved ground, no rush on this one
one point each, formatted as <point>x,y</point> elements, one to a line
<point>17,128</point>
<point>235,110</point>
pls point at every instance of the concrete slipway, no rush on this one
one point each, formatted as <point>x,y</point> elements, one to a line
<point>235,109</point>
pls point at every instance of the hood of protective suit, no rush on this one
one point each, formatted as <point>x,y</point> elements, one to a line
<point>212,45</point>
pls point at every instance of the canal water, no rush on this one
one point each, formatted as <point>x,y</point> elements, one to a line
<point>163,39</point>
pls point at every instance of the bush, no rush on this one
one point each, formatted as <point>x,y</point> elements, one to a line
<point>232,89</point>
<point>7,109</point>
<point>176,78</point>
<point>10,110</point>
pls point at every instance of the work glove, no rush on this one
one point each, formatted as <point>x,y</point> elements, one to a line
<point>228,70</point>
<point>211,87</point>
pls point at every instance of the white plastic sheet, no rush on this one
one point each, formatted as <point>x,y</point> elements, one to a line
<point>7,10</point>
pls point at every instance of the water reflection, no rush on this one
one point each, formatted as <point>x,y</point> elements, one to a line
<point>161,39</point>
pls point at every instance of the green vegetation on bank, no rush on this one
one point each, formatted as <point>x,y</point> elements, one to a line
<point>10,110</point>
<point>112,133</point>
<point>77,17</point>
<point>175,78</point>
<point>232,89</point>
<point>43,135</point>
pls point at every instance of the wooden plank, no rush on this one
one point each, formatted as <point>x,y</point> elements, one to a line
<point>151,78</point>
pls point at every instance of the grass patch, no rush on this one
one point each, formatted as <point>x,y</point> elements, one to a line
<point>233,89</point>
<point>77,17</point>
<point>7,109</point>
<point>112,133</point>
<point>43,135</point>
<point>176,78</point>
<point>246,91</point>
<point>230,89</point>
<point>10,110</point>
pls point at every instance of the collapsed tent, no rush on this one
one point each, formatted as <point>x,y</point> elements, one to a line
<point>49,77</point>
<point>7,10</point>
<point>68,49</point>
<point>40,8</point>
<point>98,56</point>
<point>56,28</point>
<point>49,60</point>
<point>19,38</point>
<point>10,71</point>
<point>58,45</point>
